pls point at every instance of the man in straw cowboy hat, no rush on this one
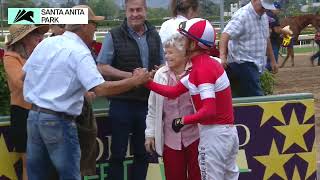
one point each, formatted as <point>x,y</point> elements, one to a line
<point>57,74</point>
<point>21,42</point>
<point>86,123</point>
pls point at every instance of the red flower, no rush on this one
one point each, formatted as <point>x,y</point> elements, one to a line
<point>96,46</point>
<point>1,53</point>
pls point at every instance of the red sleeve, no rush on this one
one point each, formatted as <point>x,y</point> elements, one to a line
<point>207,111</point>
<point>167,91</point>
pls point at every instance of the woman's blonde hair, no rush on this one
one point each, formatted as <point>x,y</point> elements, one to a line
<point>176,40</point>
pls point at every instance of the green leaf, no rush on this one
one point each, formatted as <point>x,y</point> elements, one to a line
<point>267,81</point>
<point>4,92</point>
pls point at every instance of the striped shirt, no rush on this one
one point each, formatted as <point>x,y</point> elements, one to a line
<point>209,87</point>
<point>206,80</point>
<point>175,108</point>
<point>249,33</point>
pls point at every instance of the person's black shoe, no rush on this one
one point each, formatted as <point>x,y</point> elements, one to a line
<point>312,60</point>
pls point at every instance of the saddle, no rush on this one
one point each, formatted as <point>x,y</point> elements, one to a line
<point>287,41</point>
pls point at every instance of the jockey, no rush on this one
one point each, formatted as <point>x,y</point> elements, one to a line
<point>210,90</point>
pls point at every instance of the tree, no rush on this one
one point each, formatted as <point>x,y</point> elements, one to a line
<point>4,92</point>
<point>17,4</point>
<point>83,2</point>
<point>291,9</point>
<point>68,4</point>
<point>107,8</point>
<point>157,13</point>
<point>20,3</point>
<point>44,4</point>
<point>208,8</point>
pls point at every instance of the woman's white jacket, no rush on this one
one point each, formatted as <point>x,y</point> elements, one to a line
<point>154,120</point>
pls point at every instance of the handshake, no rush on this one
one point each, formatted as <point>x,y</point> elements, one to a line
<point>141,76</point>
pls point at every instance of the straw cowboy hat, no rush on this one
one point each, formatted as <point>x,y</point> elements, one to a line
<point>91,15</point>
<point>19,31</point>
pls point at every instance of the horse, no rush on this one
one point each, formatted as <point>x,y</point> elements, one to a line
<point>297,24</point>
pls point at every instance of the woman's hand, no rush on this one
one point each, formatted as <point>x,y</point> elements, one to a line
<point>150,145</point>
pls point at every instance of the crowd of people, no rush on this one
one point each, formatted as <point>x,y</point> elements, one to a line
<point>187,117</point>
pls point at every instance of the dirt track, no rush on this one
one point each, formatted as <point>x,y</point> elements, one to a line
<point>301,78</point>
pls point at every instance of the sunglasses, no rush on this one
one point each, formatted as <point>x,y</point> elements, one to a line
<point>182,30</point>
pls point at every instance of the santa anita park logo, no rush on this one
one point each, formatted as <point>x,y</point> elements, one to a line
<point>47,15</point>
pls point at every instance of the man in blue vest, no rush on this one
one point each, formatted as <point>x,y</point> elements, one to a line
<point>132,45</point>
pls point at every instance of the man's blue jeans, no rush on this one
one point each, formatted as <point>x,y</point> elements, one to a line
<point>245,79</point>
<point>316,55</point>
<point>275,49</point>
<point>128,117</point>
<point>52,142</point>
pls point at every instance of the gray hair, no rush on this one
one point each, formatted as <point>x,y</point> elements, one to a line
<point>176,40</point>
<point>73,27</point>
<point>19,48</point>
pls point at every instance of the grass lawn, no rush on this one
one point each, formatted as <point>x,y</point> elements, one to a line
<point>100,39</point>
<point>305,49</point>
<point>301,50</point>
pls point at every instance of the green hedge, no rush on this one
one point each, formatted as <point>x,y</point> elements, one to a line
<point>4,92</point>
<point>155,22</point>
<point>113,23</point>
<point>267,82</point>
<point>2,38</point>
<point>4,23</point>
<point>109,23</point>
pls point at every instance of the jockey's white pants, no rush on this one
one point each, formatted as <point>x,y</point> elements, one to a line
<point>218,149</point>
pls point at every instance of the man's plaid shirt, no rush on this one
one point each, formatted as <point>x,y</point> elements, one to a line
<point>249,33</point>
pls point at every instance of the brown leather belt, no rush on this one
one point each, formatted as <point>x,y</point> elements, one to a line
<point>48,111</point>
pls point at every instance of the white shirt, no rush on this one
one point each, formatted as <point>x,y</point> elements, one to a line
<point>58,73</point>
<point>170,27</point>
<point>249,33</point>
